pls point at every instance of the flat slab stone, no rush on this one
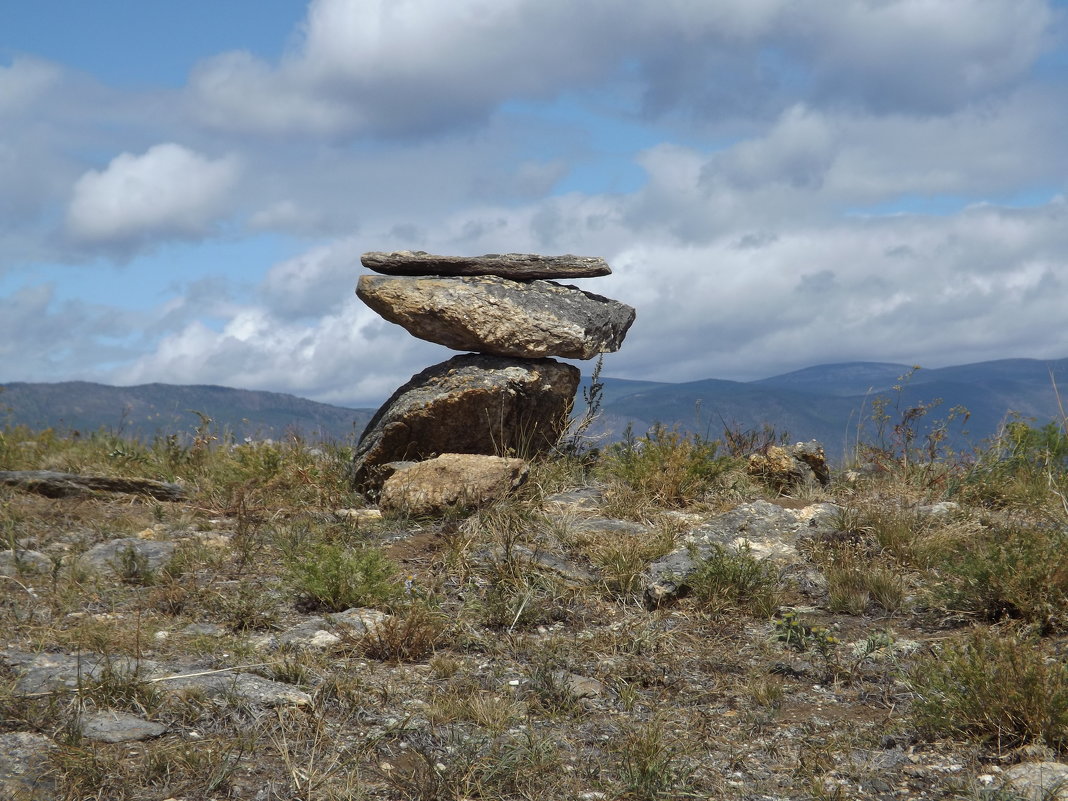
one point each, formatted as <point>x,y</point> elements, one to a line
<point>119,727</point>
<point>494,315</point>
<point>240,686</point>
<point>23,763</point>
<point>766,530</point>
<point>70,485</point>
<point>21,562</point>
<point>128,557</point>
<point>518,266</point>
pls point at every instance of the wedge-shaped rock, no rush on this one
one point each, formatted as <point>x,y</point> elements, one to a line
<point>468,404</point>
<point>519,266</point>
<point>490,314</point>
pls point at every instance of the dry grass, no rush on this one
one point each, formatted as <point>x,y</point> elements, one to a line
<point>501,675</point>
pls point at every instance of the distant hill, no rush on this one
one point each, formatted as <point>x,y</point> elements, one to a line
<point>832,403</point>
<point>150,409</point>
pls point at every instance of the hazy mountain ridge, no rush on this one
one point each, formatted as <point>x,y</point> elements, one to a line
<point>831,402</point>
<point>149,409</point>
<point>834,402</point>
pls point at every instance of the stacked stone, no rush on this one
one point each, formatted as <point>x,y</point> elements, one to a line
<point>508,396</point>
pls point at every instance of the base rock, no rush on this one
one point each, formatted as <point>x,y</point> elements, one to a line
<point>468,404</point>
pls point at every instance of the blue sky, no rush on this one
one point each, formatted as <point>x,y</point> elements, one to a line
<point>186,188</point>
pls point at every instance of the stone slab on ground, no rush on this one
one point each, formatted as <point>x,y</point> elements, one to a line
<point>110,726</point>
<point>128,557</point>
<point>70,485</point>
<point>767,530</point>
<point>20,562</point>
<point>1037,781</point>
<point>23,761</point>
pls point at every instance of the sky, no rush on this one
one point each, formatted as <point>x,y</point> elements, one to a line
<point>186,188</point>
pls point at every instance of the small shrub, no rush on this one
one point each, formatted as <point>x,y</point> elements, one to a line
<point>729,579</point>
<point>521,596</point>
<point>1023,467</point>
<point>250,606</point>
<point>131,566</point>
<point>799,635</point>
<point>333,578</point>
<point>412,635</point>
<point>662,468</point>
<point>1008,572</point>
<point>650,766</point>
<point>994,687</point>
<point>853,584</point>
<point>622,559</point>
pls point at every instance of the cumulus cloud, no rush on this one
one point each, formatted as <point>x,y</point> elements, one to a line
<point>169,191</point>
<point>350,357</point>
<point>53,340</point>
<point>26,81</point>
<point>782,142</point>
<point>383,67</point>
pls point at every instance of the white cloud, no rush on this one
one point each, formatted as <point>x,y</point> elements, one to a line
<point>349,357</point>
<point>922,55</point>
<point>27,80</point>
<point>388,67</point>
<point>169,191</point>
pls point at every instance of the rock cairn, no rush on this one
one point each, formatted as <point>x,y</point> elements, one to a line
<point>506,395</point>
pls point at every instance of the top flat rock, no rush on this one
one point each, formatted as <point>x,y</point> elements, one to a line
<point>517,266</point>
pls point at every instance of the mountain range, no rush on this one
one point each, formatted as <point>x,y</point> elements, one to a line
<point>836,403</point>
<point>149,410</point>
<point>833,403</point>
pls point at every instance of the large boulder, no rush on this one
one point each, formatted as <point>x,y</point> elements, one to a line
<point>490,314</point>
<point>452,480</point>
<point>468,404</point>
<point>518,266</point>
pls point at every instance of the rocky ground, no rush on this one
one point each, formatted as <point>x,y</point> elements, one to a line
<point>600,635</point>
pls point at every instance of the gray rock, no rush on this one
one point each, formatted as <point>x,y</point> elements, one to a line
<point>543,560</point>
<point>312,635</point>
<point>205,630</point>
<point>245,687</point>
<point>319,633</point>
<point>358,621</point>
<point>767,530</point>
<point>577,685</point>
<point>794,466</point>
<point>23,762</point>
<point>118,727</point>
<point>489,314</point>
<point>452,480</point>
<point>67,485</point>
<point>129,557</point>
<point>43,673</point>
<point>518,266</point>
<point>1038,781</point>
<point>21,562</point>
<point>468,404</point>
<point>584,499</point>
<point>609,525</point>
